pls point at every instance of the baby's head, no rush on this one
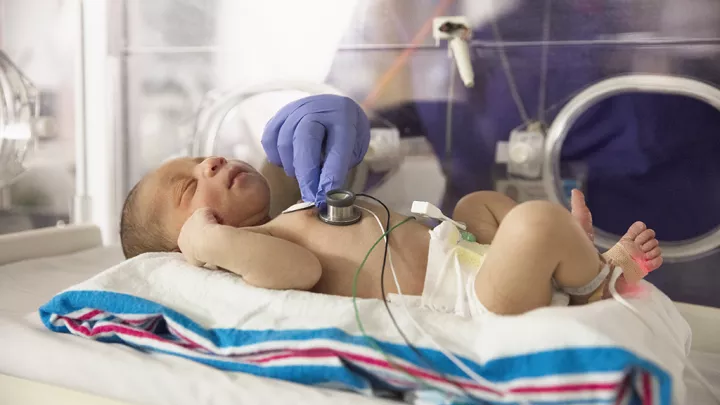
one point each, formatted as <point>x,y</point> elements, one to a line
<point>157,207</point>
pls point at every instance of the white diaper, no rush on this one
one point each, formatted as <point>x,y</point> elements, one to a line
<point>453,264</point>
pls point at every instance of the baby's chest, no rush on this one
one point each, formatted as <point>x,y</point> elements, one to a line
<point>332,242</point>
<point>348,242</point>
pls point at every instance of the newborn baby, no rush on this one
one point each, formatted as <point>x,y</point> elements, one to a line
<point>215,212</point>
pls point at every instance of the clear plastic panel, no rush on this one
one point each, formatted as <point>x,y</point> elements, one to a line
<point>163,93</point>
<point>39,37</point>
<point>170,23</point>
<point>649,158</point>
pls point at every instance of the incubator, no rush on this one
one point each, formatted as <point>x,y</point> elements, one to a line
<point>528,97</point>
<point>159,92</point>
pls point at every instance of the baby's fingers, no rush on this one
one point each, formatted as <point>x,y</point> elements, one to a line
<point>205,215</point>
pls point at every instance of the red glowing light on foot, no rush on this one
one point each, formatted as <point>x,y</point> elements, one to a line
<point>643,265</point>
<point>635,290</point>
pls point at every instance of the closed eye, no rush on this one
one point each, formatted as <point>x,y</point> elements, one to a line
<point>186,191</point>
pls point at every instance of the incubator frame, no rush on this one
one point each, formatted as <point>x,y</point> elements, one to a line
<point>672,251</point>
<point>211,117</point>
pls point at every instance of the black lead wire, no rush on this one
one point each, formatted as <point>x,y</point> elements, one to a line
<point>412,347</point>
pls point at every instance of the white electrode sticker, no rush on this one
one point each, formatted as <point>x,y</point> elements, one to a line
<point>299,207</point>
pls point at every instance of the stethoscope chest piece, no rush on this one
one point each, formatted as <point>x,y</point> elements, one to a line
<point>340,209</point>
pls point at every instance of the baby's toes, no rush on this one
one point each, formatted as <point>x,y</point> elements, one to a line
<point>653,254</point>
<point>648,246</point>
<point>645,237</point>
<point>636,229</point>
<point>654,263</point>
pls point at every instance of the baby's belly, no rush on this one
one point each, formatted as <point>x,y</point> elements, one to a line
<point>342,249</point>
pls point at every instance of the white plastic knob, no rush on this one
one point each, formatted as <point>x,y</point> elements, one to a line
<point>521,153</point>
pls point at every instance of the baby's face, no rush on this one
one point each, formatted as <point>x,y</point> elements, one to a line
<point>237,193</point>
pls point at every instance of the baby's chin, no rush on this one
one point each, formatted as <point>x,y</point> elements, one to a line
<point>251,219</point>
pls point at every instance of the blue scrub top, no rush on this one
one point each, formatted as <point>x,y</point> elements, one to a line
<point>650,157</point>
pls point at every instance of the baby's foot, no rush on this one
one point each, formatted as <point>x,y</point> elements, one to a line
<point>639,242</point>
<point>637,253</point>
<point>581,213</point>
<point>646,247</point>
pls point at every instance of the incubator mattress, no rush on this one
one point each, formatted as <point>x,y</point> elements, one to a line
<point>30,351</point>
<point>26,285</point>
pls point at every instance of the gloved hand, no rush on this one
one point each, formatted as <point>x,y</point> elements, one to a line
<point>194,233</point>
<point>317,140</point>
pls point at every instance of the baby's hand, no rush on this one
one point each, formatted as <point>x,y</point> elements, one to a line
<point>193,233</point>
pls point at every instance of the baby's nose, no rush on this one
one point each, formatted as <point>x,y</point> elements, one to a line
<point>212,165</point>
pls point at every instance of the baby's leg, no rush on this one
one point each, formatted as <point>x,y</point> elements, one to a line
<point>482,212</point>
<point>536,242</point>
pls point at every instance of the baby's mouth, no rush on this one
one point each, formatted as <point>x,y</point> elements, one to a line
<point>233,173</point>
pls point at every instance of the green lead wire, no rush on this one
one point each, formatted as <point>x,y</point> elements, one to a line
<point>370,340</point>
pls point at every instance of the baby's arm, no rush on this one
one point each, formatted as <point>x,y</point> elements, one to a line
<point>261,259</point>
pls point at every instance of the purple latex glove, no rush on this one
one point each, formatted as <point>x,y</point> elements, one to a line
<point>317,140</point>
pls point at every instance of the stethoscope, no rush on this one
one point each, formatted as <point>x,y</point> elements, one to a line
<point>339,208</point>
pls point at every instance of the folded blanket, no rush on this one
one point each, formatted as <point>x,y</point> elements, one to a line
<point>599,353</point>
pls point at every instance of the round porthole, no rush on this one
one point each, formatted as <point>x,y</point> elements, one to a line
<point>681,249</point>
